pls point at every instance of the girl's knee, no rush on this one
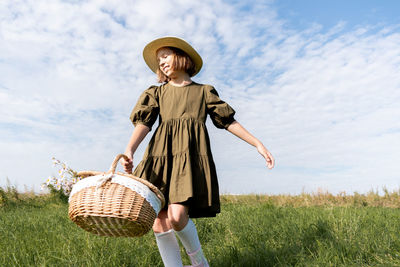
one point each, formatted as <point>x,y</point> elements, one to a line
<point>178,216</point>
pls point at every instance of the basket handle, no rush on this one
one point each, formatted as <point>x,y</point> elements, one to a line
<point>112,169</point>
<point>115,162</point>
<point>106,175</point>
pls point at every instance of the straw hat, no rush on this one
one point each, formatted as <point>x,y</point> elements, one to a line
<point>149,52</point>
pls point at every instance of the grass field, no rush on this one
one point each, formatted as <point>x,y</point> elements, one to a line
<point>305,230</point>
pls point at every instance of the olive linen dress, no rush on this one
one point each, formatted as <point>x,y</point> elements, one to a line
<point>178,159</point>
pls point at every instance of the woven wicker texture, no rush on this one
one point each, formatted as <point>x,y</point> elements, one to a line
<point>113,209</point>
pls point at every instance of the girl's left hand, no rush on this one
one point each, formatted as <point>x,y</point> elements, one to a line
<point>267,155</point>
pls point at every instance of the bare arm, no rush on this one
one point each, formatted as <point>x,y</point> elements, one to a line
<point>238,130</point>
<point>138,134</point>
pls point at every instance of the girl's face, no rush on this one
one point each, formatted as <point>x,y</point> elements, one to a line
<point>165,57</point>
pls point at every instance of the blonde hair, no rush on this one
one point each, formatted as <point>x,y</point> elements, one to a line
<point>181,61</point>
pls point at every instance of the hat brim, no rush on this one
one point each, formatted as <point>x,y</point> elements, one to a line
<point>150,57</point>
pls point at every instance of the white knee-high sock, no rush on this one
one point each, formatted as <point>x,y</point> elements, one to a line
<point>188,236</point>
<point>169,249</point>
<point>190,240</point>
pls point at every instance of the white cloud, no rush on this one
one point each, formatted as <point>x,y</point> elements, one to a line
<point>324,102</point>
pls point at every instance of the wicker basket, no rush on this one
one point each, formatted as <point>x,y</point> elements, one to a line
<point>114,203</point>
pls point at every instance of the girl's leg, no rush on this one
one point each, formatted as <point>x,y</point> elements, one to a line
<point>166,241</point>
<point>187,233</point>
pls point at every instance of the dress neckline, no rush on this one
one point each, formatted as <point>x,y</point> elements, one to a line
<point>180,86</point>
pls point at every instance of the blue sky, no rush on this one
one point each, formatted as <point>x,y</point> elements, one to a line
<point>316,81</point>
<point>303,13</point>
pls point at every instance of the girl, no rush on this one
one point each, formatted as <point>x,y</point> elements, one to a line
<point>178,159</point>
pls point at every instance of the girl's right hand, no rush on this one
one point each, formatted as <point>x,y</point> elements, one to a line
<point>127,164</point>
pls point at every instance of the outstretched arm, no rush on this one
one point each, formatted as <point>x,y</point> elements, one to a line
<point>238,130</point>
<point>138,134</point>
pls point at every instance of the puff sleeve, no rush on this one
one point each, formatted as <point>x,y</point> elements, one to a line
<point>146,109</point>
<point>221,114</point>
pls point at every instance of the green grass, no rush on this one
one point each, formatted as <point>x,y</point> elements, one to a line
<point>250,231</point>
